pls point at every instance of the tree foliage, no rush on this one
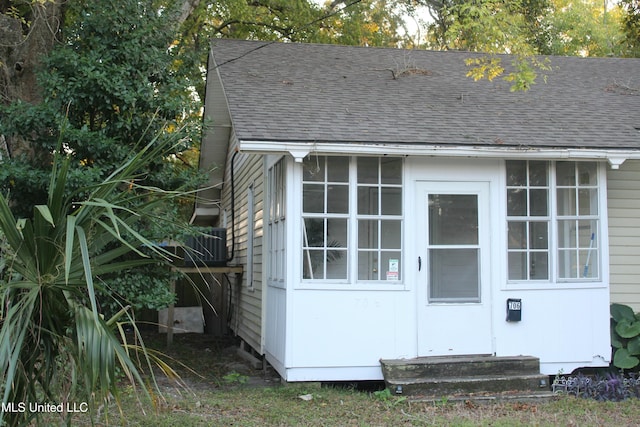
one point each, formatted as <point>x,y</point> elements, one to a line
<point>524,28</point>
<point>116,81</point>
<point>631,27</point>
<point>56,344</point>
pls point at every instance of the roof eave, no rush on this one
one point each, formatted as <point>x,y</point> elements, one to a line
<point>299,150</point>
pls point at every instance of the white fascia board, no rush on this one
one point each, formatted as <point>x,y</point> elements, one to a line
<point>299,150</point>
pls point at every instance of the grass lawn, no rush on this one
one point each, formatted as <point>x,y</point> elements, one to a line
<point>226,392</point>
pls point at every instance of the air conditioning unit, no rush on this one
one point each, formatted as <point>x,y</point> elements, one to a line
<point>208,250</point>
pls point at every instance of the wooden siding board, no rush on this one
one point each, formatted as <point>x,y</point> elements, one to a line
<point>246,319</point>
<point>624,233</point>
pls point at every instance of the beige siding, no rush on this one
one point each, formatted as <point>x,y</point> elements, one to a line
<point>624,233</point>
<point>247,303</point>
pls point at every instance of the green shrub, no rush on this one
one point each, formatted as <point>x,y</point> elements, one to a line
<point>625,336</point>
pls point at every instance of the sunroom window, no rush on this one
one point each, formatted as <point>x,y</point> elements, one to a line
<point>552,221</point>
<point>352,219</point>
<point>528,220</point>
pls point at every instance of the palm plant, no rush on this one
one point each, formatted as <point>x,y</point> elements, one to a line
<point>55,344</point>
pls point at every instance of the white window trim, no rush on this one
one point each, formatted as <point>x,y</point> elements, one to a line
<point>351,283</point>
<point>554,282</point>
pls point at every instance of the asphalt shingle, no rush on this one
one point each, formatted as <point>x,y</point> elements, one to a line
<point>289,92</point>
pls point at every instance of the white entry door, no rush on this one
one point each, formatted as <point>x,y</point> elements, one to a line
<point>454,268</point>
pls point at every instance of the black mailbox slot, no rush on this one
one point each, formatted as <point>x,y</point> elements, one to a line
<point>514,310</point>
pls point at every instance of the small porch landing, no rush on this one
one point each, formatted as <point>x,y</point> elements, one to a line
<point>477,377</point>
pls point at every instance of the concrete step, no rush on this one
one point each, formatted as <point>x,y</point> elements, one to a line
<point>488,398</point>
<point>459,366</point>
<point>462,375</point>
<point>465,385</point>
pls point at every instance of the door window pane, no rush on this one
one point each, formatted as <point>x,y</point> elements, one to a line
<point>453,219</point>
<point>454,275</point>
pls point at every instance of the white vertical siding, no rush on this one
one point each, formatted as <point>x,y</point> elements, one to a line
<point>246,318</point>
<point>624,233</point>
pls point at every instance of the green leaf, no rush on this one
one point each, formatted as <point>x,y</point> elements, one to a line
<point>86,262</point>
<point>68,250</point>
<point>633,346</point>
<point>616,340</point>
<point>623,360</point>
<point>46,214</point>
<point>620,312</point>
<point>627,329</point>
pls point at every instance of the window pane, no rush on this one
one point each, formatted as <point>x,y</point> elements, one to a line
<point>390,266</point>
<point>313,232</point>
<point>588,202</point>
<point>313,198</point>
<point>516,173</point>
<point>539,265</point>
<point>313,168</point>
<point>538,235</point>
<point>368,234</point>
<point>312,264</point>
<point>566,173</point>
<point>391,234</point>
<point>517,235</point>
<point>566,201</point>
<point>588,173</point>
<point>538,174</point>
<point>367,265</point>
<point>567,264</point>
<point>338,199</point>
<point>453,219</point>
<point>367,200</point>
<point>338,169</point>
<point>567,234</point>
<point>518,266</point>
<point>336,264</point>
<point>517,202</point>
<point>589,263</point>
<point>587,233</point>
<point>337,232</point>
<point>538,203</point>
<point>367,170</point>
<point>454,274</point>
<point>391,170</point>
<point>391,201</point>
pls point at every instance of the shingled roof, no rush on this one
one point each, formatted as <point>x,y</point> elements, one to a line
<point>296,93</point>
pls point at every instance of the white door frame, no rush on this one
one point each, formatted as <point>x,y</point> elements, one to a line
<point>453,327</point>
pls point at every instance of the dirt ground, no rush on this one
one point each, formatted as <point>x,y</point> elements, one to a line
<point>206,361</point>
